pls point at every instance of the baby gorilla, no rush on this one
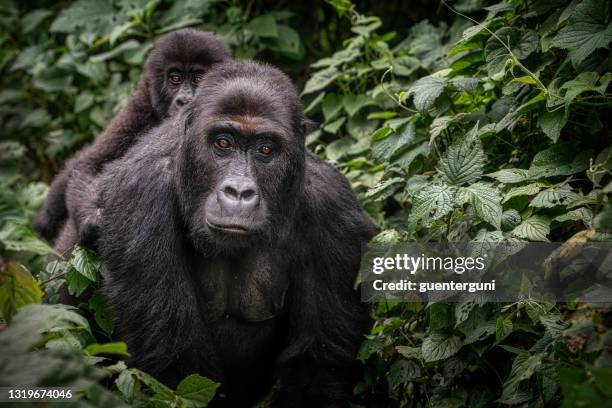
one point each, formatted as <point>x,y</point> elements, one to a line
<point>234,254</point>
<point>172,72</point>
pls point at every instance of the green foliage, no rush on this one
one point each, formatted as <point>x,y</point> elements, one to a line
<point>489,131</point>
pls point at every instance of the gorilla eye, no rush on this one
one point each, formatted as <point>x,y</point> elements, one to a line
<point>265,150</point>
<point>197,79</point>
<point>223,143</point>
<point>175,77</point>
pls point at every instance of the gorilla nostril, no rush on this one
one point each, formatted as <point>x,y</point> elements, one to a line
<point>247,194</point>
<point>231,192</point>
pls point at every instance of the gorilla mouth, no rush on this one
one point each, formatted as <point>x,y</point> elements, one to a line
<point>235,229</point>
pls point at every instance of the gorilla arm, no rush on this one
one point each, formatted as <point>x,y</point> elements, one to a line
<point>323,351</point>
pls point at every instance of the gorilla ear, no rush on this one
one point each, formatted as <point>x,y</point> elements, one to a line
<point>309,126</point>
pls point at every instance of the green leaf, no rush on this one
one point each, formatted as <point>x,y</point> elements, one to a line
<point>288,43</point>
<point>117,348</point>
<point>528,189</point>
<point>523,367</point>
<point>522,44</point>
<point>263,26</point>
<point>17,288</point>
<point>198,389</point>
<point>410,352</point>
<point>385,146</point>
<point>464,160</point>
<point>20,238</point>
<point>332,104</point>
<point>101,314</point>
<point>503,328</point>
<point>553,197</point>
<point>510,219</point>
<point>559,160</point>
<point>334,126</point>
<point>86,263</point>
<point>534,228</point>
<point>320,80</point>
<point>439,346</point>
<point>426,90</point>
<point>552,123</point>
<point>486,200</point>
<point>585,81</point>
<point>353,103</point>
<point>588,30</point>
<point>579,214</point>
<point>432,202</point>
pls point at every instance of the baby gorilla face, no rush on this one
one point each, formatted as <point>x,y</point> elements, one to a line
<point>180,85</point>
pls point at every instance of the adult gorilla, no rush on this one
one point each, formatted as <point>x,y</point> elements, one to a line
<point>234,254</point>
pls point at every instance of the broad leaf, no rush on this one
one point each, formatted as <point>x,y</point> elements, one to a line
<point>426,91</point>
<point>486,200</point>
<point>534,228</point>
<point>464,160</point>
<point>588,30</point>
<point>439,346</point>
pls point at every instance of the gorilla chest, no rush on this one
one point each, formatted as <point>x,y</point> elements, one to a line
<point>248,290</point>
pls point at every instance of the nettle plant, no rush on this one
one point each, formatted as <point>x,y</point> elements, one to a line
<point>486,130</point>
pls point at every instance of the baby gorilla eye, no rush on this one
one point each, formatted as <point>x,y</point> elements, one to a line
<point>223,143</point>
<point>175,77</point>
<point>198,79</point>
<point>265,150</point>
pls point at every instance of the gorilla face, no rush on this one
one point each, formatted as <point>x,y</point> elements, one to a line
<point>176,67</point>
<point>242,170</point>
<point>180,84</point>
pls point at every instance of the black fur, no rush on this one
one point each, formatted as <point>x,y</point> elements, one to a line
<point>245,310</point>
<point>186,51</point>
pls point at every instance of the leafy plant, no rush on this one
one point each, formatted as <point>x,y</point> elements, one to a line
<point>491,130</point>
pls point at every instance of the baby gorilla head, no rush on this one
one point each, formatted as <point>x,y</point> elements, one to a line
<point>242,165</point>
<point>177,64</point>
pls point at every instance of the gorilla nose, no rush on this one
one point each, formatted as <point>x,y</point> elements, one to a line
<point>238,196</point>
<point>182,101</point>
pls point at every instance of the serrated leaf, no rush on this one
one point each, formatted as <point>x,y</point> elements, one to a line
<point>553,197</point>
<point>432,202</point>
<point>588,30</point>
<point>528,189</point>
<point>406,158</point>
<point>426,90</point>
<point>332,104</point>
<point>438,125</point>
<point>534,228</point>
<point>486,200</point>
<point>463,161</point>
<point>510,176</point>
<point>510,219</point>
<point>439,346</point>
<point>523,367</point>
<point>579,214</point>
<point>383,147</point>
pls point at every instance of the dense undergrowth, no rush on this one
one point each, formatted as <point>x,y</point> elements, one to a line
<point>491,127</point>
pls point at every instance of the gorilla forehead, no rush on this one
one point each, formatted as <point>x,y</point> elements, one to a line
<point>188,46</point>
<point>252,89</point>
